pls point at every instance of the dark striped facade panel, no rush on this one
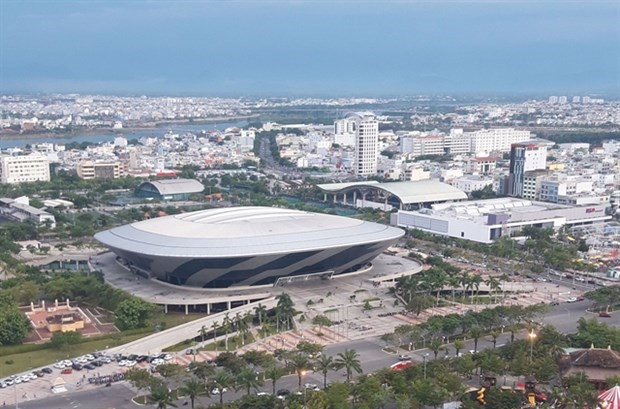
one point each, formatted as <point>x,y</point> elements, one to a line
<point>253,270</point>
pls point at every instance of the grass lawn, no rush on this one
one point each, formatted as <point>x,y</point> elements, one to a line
<point>29,360</point>
<point>234,343</point>
<point>172,319</point>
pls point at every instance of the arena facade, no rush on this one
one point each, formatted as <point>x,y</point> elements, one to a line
<point>245,246</point>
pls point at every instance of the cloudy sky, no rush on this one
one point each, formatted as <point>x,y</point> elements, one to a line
<point>310,47</point>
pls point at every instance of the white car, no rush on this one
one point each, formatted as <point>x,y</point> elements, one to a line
<point>89,357</point>
<point>262,394</point>
<point>572,299</point>
<point>59,365</point>
<point>216,391</point>
<point>168,357</point>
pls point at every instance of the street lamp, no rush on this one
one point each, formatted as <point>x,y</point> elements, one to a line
<point>425,358</point>
<point>303,374</point>
<point>532,337</point>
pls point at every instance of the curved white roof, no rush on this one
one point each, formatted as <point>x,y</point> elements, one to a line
<point>408,192</point>
<point>243,231</point>
<point>176,186</point>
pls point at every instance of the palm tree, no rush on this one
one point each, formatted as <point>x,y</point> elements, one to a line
<point>274,373</point>
<point>192,388</point>
<point>505,278</point>
<point>260,311</point>
<point>454,282</point>
<point>203,333</point>
<point>475,332</point>
<point>286,308</point>
<point>300,363</point>
<point>226,326</point>
<point>476,280</point>
<point>161,395</point>
<point>215,326</point>
<point>247,379</point>
<point>493,284</point>
<point>436,346</point>
<point>222,381</point>
<point>244,326</point>
<point>466,281</point>
<point>325,363</point>
<point>458,345</point>
<point>494,335</point>
<point>349,360</point>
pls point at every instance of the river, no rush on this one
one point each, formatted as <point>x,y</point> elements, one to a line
<point>107,136</point>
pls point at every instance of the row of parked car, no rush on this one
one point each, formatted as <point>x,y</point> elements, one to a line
<point>88,361</point>
<point>27,377</point>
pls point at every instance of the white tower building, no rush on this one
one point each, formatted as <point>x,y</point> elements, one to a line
<point>366,128</point>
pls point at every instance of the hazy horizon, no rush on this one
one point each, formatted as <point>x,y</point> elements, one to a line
<point>311,48</point>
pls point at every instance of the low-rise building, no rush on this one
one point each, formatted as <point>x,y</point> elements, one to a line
<point>486,220</point>
<point>89,169</point>
<point>20,210</point>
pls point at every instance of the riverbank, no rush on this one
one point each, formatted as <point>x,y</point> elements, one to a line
<point>68,134</point>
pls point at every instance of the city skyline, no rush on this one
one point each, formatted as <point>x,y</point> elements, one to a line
<point>310,47</point>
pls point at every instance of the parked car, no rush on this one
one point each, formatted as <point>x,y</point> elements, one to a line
<point>46,370</point>
<point>404,357</point>
<point>66,371</point>
<point>604,314</point>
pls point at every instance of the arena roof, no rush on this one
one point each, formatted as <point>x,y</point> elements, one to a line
<point>176,186</point>
<point>409,192</point>
<point>247,231</point>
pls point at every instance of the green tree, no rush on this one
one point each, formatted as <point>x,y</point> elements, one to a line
<point>261,313</point>
<point>192,388</point>
<point>139,378</point>
<point>161,395</point>
<point>274,373</point>
<point>300,363</point>
<point>497,399</point>
<point>255,402</point>
<point>61,340</point>
<point>285,308</point>
<point>132,313</point>
<point>436,345</point>
<point>458,345</point>
<point>202,370</point>
<point>338,396</point>
<point>349,360</point>
<point>318,400</point>
<point>321,321</point>
<point>222,381</point>
<point>26,292</point>
<point>14,325</point>
<point>324,364</point>
<point>248,379</point>
<point>475,333</point>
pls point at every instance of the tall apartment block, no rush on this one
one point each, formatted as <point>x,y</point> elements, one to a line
<point>26,168</point>
<point>366,128</point>
<point>525,157</point>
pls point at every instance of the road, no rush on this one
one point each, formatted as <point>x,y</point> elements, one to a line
<point>564,317</point>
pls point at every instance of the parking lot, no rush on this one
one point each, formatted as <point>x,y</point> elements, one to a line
<point>84,372</point>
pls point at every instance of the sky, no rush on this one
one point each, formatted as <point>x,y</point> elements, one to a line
<point>310,47</point>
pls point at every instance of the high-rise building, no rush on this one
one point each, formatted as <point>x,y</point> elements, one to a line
<point>366,128</point>
<point>576,100</point>
<point>562,100</point>
<point>27,168</point>
<point>553,99</point>
<point>525,157</point>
